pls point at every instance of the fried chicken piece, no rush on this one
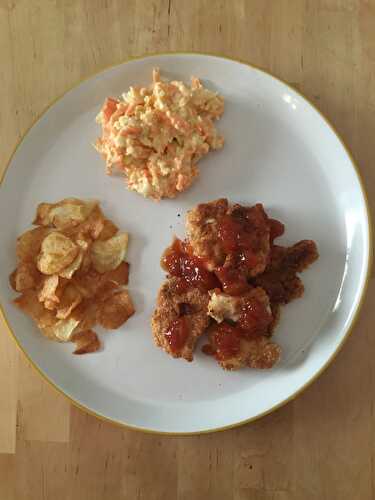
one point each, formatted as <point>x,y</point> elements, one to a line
<point>179,319</point>
<point>275,311</point>
<point>280,278</point>
<point>228,307</point>
<point>249,279</point>
<point>233,352</point>
<point>241,337</point>
<point>245,233</point>
<point>202,224</point>
<point>256,232</point>
<point>230,237</point>
<point>223,306</point>
<point>301,255</point>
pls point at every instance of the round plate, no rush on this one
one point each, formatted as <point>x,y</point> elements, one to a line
<point>279,151</point>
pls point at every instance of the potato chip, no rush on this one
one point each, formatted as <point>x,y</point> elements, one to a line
<point>86,263</point>
<point>71,271</point>
<point>62,330</point>
<point>114,311</point>
<point>90,228</point>
<point>70,299</point>
<point>12,280</point>
<point>94,224</point>
<point>48,290</point>
<point>72,213</point>
<point>88,284</point>
<point>57,252</point>
<point>91,282</point>
<point>25,277</point>
<point>120,275</point>
<point>29,243</point>
<point>107,255</point>
<point>82,261</point>
<point>28,302</point>
<point>85,314</point>
<point>85,259</point>
<point>109,230</point>
<point>42,214</point>
<point>68,271</point>
<point>105,291</point>
<point>67,213</point>
<point>50,304</point>
<point>83,242</point>
<point>86,341</point>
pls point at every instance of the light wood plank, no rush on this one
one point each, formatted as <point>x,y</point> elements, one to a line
<point>110,462</point>
<point>8,391</point>
<point>205,466</point>
<point>43,414</point>
<point>42,471</point>
<point>7,477</point>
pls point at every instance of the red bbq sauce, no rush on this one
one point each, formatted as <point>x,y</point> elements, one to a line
<point>179,262</point>
<point>242,235</point>
<point>177,333</point>
<point>254,319</point>
<point>239,236</point>
<point>227,340</point>
<point>208,350</point>
<point>233,280</point>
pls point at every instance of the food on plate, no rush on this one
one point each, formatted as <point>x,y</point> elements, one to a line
<point>240,336</point>
<point>227,280</point>
<point>202,227</point>
<point>180,318</point>
<point>71,273</point>
<point>156,135</point>
<point>234,351</point>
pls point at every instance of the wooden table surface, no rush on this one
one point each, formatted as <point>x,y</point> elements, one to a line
<point>321,446</point>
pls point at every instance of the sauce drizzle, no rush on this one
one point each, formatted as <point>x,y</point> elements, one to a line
<point>179,262</point>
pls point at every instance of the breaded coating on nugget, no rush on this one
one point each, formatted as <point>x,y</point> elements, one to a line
<point>255,224</point>
<point>241,337</point>
<point>186,311</point>
<point>280,280</point>
<point>202,224</point>
<point>228,307</point>
<point>233,352</point>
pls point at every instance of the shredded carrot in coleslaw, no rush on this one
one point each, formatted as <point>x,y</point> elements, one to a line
<point>156,135</point>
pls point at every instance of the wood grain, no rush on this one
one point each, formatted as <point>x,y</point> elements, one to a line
<point>39,401</point>
<point>321,446</point>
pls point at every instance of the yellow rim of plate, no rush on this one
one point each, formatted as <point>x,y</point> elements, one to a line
<point>363,292</point>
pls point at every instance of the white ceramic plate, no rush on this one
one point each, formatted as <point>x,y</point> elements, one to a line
<point>280,151</point>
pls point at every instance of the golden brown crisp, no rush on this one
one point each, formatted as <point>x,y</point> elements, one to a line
<point>71,272</point>
<point>258,352</point>
<point>172,304</point>
<point>29,303</point>
<point>109,230</point>
<point>86,342</point>
<point>65,214</point>
<point>280,279</point>
<point>202,231</point>
<point>25,277</point>
<point>29,243</point>
<point>115,310</point>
